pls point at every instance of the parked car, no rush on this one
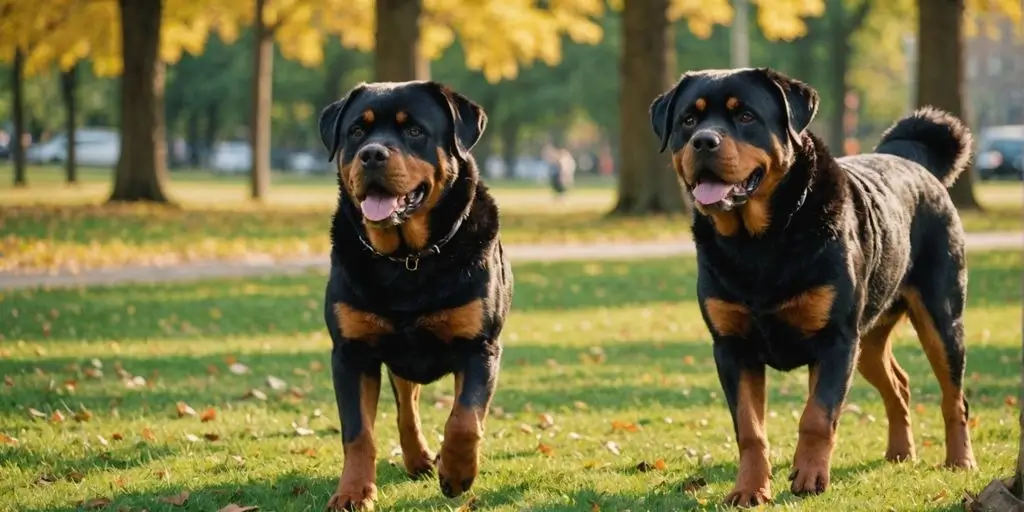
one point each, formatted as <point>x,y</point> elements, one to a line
<point>1000,153</point>
<point>231,158</point>
<point>94,147</point>
<point>308,162</point>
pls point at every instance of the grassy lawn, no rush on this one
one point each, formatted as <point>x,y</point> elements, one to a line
<point>615,352</point>
<point>52,226</point>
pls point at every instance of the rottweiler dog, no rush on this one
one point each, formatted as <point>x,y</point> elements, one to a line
<point>419,281</point>
<point>809,260</point>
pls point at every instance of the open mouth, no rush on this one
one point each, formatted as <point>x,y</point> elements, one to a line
<point>382,207</point>
<point>713,193</point>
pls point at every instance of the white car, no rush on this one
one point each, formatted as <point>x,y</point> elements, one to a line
<point>94,147</point>
<point>231,158</point>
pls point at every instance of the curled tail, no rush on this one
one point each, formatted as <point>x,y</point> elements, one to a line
<point>936,139</point>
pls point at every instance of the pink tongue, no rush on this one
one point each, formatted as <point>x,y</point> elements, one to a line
<point>711,192</point>
<point>378,208</point>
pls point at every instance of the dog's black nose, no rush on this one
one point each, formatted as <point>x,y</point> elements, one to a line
<point>374,155</point>
<point>706,141</point>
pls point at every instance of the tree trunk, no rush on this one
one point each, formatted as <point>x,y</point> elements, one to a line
<point>940,75</point>
<point>210,134</point>
<point>194,141</point>
<point>397,56</point>
<point>510,147</point>
<point>262,98</point>
<point>68,84</point>
<point>647,183</point>
<point>17,146</point>
<point>142,168</point>
<point>839,50</point>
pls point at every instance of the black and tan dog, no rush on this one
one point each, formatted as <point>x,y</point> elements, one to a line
<point>419,281</point>
<point>806,259</point>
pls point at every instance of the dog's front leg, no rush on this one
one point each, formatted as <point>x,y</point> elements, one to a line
<point>460,452</point>
<point>744,385</point>
<point>829,383</point>
<point>356,393</point>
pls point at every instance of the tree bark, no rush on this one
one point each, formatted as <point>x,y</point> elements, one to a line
<point>68,84</point>
<point>142,168</point>
<point>647,183</point>
<point>397,56</point>
<point>262,98</point>
<point>940,75</point>
<point>17,146</point>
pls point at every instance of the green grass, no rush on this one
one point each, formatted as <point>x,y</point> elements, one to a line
<point>52,226</point>
<point>589,343</point>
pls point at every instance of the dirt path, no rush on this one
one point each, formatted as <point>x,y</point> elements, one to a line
<point>518,253</point>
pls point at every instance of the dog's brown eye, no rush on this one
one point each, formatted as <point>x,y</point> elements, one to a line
<point>356,132</point>
<point>689,121</point>
<point>746,117</point>
<point>413,131</point>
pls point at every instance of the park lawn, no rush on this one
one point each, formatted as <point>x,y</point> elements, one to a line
<point>50,226</point>
<point>614,352</point>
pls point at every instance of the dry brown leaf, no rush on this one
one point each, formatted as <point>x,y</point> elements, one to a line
<point>120,482</point>
<point>469,505</point>
<point>231,507</point>
<point>71,385</point>
<point>163,474</point>
<point>299,490</point>
<point>210,436</point>
<point>526,429</point>
<point>688,360</point>
<point>255,393</point>
<point>208,415</point>
<point>83,415</point>
<point>644,466</point>
<point>8,381</point>
<point>1010,401</point>
<point>940,495</point>
<point>117,436</point>
<point>595,507</point>
<point>546,420</point>
<point>94,503</point>
<point>546,449</point>
<point>6,439</point>
<point>230,359</point>
<point>660,465</point>
<point>148,434</point>
<point>57,417</point>
<point>46,479</point>
<point>74,476</point>
<point>308,452</point>
<point>625,426</point>
<point>185,410</point>
<point>177,500</point>
<point>920,409</point>
<point>694,484</point>
<point>211,369</point>
<point>316,366</point>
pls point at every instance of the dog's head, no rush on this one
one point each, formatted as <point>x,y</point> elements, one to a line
<point>399,146</point>
<point>732,132</point>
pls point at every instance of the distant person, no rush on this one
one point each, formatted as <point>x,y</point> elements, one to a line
<point>561,168</point>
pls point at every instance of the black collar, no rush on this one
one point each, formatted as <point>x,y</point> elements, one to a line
<point>411,260</point>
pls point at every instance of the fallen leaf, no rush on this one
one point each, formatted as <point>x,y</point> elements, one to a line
<point>688,360</point>
<point>299,490</point>
<point>211,369</point>
<point>275,383</point>
<point>36,413</point>
<point>231,507</point>
<point>941,494</point>
<point>120,482</point>
<point>83,415</point>
<point>163,474</point>
<point>581,406</point>
<point>117,436</point>
<point>546,449</point>
<point>94,503</point>
<point>102,440</point>
<point>546,421</point>
<point>694,484</point>
<point>74,476</point>
<point>660,465</point>
<point>71,385</point>
<point>303,431</point>
<point>644,466</point>
<point>927,443</point>
<point>177,500</point>
<point>238,369</point>
<point>6,439</point>
<point>210,436</point>
<point>255,393</point>
<point>8,381</point>
<point>308,452</point>
<point>238,459</point>
<point>613,447</point>
<point>1010,401</point>
<point>185,410</point>
<point>625,426</point>
<point>316,366</point>
<point>57,417</point>
<point>191,438</point>
<point>208,415</point>
<point>920,409</point>
<point>469,505</point>
<point>46,479</point>
<point>148,434</point>
<point>526,429</point>
<point>594,507</point>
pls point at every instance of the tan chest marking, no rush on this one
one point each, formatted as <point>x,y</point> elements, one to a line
<point>727,318</point>
<point>360,325</point>
<point>809,311</point>
<point>465,321</point>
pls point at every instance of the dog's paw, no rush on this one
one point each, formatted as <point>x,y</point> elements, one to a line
<point>419,465</point>
<point>809,477</point>
<point>748,497</point>
<point>966,463</point>
<point>353,496</point>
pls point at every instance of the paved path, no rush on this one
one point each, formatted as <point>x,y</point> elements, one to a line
<point>518,253</point>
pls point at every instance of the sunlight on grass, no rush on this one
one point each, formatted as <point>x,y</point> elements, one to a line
<point>614,352</point>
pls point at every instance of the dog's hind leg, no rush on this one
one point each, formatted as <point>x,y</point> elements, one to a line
<point>879,367</point>
<point>936,296</point>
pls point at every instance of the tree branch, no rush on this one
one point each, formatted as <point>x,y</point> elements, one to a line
<point>858,17</point>
<point>282,18</point>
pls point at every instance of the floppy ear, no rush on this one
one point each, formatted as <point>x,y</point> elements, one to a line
<point>468,119</point>
<point>663,110</point>
<point>799,99</point>
<point>330,121</point>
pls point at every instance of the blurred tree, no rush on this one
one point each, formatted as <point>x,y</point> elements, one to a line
<point>68,86</point>
<point>397,54</point>
<point>844,19</point>
<point>646,70</point>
